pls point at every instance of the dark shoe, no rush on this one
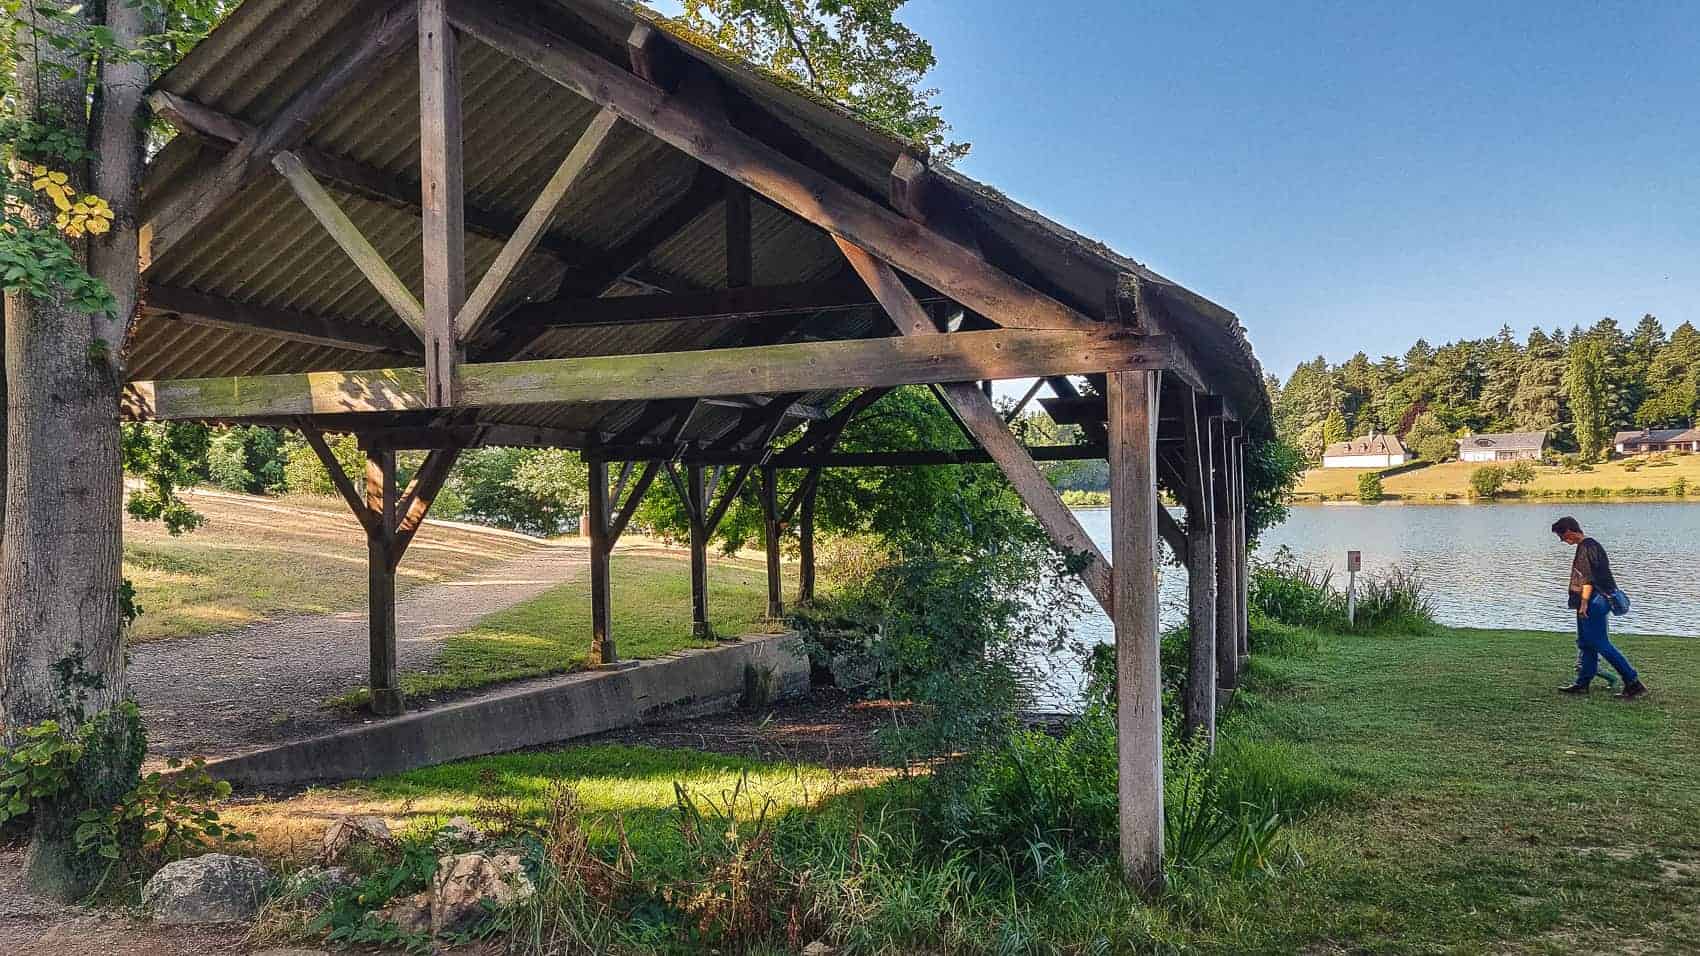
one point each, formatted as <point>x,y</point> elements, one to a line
<point>1578,689</point>
<point>1632,690</point>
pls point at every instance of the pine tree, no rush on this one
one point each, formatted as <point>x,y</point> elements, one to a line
<point>1538,401</point>
<point>1673,382</point>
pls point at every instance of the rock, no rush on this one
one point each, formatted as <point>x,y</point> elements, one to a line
<point>457,834</point>
<point>215,888</point>
<point>818,948</point>
<point>466,882</point>
<point>411,914</point>
<point>318,885</point>
<point>347,832</point>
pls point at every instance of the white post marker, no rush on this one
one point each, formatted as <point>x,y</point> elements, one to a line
<point>1354,564</point>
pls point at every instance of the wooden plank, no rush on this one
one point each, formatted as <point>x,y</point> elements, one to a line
<point>442,191</point>
<point>755,370</point>
<point>1139,690</point>
<point>385,688</point>
<point>1227,564</point>
<point>535,225</point>
<point>697,503</point>
<point>433,473</point>
<point>339,478</point>
<point>168,226</point>
<point>602,649</point>
<point>770,537</point>
<point>980,417</point>
<point>653,57</point>
<point>1199,704</point>
<point>751,302</point>
<point>347,235</point>
<point>814,197</point>
<point>198,308</point>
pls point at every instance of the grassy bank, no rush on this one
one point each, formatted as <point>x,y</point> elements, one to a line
<point>1626,478</point>
<point>1444,799</point>
<point>258,558</point>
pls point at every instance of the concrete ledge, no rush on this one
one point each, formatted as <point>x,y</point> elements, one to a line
<point>691,683</point>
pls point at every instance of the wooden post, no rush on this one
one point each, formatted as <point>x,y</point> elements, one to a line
<point>697,505</point>
<point>770,528</point>
<point>1133,544</point>
<point>806,540</point>
<point>1200,701</point>
<point>1227,565</point>
<point>602,650</point>
<point>442,199</point>
<point>380,538</point>
<point>1242,544</point>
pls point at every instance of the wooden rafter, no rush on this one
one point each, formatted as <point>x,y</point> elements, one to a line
<point>217,312</point>
<point>347,235</point>
<point>536,223</point>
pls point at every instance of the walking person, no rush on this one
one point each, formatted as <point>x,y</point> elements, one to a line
<point>1591,589</point>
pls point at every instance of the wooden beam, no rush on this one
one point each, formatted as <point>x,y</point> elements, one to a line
<point>814,197</point>
<point>1227,569</point>
<point>385,688</point>
<point>770,538</point>
<point>1139,688</point>
<point>347,235</point>
<point>416,504</point>
<point>767,369</point>
<point>1199,704</point>
<point>1242,545</point>
<point>442,199</point>
<point>199,308</point>
<point>752,302</point>
<point>653,57</point>
<point>980,417</point>
<point>535,225</point>
<point>1173,535</point>
<point>339,478</point>
<point>602,649</point>
<point>212,189</point>
<point>836,459</point>
<point>624,515</point>
<point>697,504</point>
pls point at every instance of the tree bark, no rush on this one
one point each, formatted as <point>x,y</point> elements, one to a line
<point>61,649</point>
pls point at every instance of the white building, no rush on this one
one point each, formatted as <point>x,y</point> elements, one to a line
<point>1376,451</point>
<point>1507,446</point>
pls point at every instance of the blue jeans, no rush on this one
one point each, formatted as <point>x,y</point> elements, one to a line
<point>1594,643</point>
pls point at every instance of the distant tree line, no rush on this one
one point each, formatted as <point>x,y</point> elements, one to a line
<point>1580,386</point>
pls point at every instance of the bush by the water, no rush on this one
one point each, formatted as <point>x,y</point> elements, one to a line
<point>1287,591</point>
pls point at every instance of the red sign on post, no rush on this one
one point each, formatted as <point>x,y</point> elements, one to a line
<point>1354,561</point>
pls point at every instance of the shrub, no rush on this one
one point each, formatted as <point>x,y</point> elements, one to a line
<point>1486,481</point>
<point>1369,487</point>
<point>303,474</point>
<point>1520,472</point>
<point>1632,466</point>
<point>1284,590</point>
<point>1679,487</point>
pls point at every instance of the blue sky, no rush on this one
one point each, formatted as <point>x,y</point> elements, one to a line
<point>1351,176</point>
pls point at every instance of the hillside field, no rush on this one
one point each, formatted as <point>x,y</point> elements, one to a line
<point>1629,477</point>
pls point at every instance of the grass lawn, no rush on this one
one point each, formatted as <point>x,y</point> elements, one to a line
<point>550,634</point>
<point>1478,812</point>
<point>1451,480</point>
<point>257,558</point>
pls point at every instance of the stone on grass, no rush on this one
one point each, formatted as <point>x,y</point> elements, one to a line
<point>214,888</point>
<point>318,885</point>
<point>411,915</point>
<point>347,832</point>
<point>457,834</point>
<point>466,882</point>
<point>818,948</point>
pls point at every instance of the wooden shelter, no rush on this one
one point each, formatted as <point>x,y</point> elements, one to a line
<point>440,224</point>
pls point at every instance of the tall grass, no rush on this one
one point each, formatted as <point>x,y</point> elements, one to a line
<point>1287,591</point>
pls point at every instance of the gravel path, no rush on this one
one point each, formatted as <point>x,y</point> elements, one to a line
<point>240,690</point>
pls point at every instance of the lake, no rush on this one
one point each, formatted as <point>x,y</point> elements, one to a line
<point>1489,565</point>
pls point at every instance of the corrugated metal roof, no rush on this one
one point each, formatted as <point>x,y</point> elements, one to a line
<point>265,249</point>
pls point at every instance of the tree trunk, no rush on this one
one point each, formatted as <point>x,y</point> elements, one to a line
<point>61,650</point>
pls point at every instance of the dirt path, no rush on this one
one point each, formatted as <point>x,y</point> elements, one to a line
<point>238,690</point>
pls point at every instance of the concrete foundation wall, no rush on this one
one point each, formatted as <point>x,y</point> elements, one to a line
<point>691,683</point>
